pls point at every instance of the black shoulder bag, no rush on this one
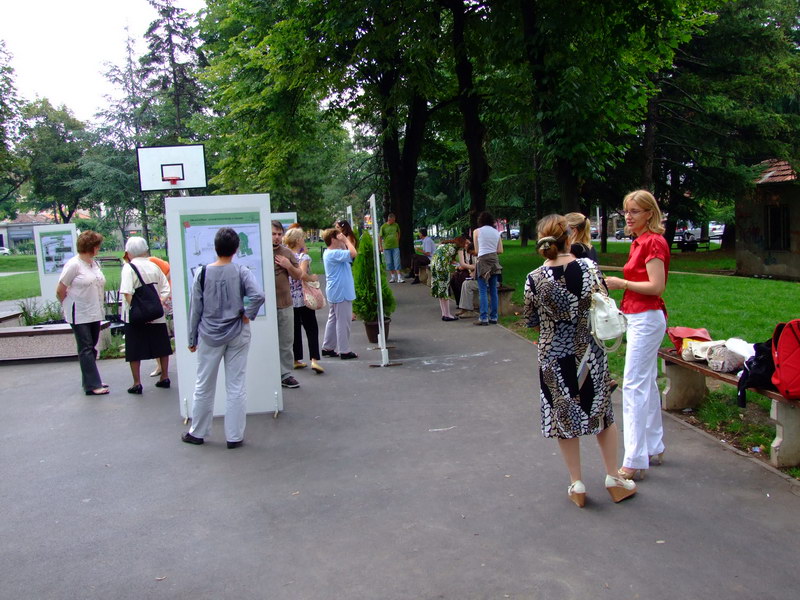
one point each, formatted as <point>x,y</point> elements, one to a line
<point>146,303</point>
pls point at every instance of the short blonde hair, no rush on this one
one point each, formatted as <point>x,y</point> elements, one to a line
<point>328,236</point>
<point>294,237</point>
<point>581,228</point>
<point>646,201</point>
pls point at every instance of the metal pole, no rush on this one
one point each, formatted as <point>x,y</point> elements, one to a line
<point>381,333</point>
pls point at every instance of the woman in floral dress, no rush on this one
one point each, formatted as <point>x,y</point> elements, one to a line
<point>573,369</point>
<point>443,264</point>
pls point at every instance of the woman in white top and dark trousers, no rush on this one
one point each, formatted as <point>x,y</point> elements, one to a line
<point>144,341</point>
<point>488,246</point>
<point>81,290</point>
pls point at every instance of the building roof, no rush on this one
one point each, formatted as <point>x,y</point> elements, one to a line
<point>776,171</point>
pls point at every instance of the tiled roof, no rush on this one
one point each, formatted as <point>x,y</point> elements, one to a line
<point>29,219</point>
<point>776,171</point>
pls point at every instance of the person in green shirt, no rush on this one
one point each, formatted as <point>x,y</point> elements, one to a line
<point>390,246</point>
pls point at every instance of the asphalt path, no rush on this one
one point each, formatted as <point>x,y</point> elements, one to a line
<point>429,479</point>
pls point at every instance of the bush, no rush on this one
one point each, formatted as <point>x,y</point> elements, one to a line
<point>366,302</point>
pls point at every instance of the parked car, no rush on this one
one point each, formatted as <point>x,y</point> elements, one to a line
<point>4,251</point>
<point>620,234</point>
<point>515,234</point>
<point>594,232</point>
<point>715,229</point>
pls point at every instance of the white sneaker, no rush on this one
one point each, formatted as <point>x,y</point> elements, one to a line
<point>391,279</point>
<point>400,279</point>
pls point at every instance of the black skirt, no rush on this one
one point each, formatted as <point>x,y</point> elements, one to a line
<point>150,340</point>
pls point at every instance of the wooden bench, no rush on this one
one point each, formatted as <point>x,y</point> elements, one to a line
<point>44,341</point>
<point>691,245</point>
<point>686,388</point>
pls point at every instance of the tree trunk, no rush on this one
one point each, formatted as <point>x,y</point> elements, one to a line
<point>469,103</point>
<point>567,185</point>
<point>649,144</point>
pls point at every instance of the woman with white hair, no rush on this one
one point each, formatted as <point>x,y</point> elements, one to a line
<point>144,340</point>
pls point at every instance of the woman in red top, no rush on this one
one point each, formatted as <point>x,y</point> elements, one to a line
<point>645,279</point>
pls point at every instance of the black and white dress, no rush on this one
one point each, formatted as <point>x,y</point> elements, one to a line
<point>557,299</point>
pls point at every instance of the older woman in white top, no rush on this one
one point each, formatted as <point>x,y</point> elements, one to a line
<point>144,340</point>
<point>80,291</point>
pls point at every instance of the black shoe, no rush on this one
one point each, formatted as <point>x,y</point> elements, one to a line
<point>481,323</point>
<point>163,383</point>
<point>330,353</point>
<point>492,321</point>
<point>348,355</point>
<point>415,281</point>
<point>135,389</point>
<point>190,439</point>
<point>104,391</point>
<point>449,318</point>
<point>290,382</point>
<point>232,445</point>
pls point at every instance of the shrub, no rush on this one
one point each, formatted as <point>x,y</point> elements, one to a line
<point>366,302</point>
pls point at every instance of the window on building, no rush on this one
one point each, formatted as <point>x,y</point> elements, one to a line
<point>776,228</point>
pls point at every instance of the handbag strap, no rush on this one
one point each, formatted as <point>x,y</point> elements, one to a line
<point>135,270</point>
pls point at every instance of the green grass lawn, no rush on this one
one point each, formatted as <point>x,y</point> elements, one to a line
<point>17,263</point>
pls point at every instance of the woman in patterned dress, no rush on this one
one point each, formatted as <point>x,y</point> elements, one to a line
<point>573,369</point>
<point>443,264</point>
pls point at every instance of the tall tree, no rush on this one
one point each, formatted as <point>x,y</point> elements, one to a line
<point>12,170</point>
<point>53,143</point>
<point>169,69</point>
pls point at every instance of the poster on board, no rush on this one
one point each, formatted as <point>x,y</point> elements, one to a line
<point>197,241</point>
<point>56,248</point>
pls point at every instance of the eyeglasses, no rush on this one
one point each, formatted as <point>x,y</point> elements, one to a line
<point>633,213</point>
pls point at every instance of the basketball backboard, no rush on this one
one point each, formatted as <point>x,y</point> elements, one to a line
<point>171,167</point>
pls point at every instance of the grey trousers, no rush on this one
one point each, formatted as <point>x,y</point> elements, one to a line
<point>469,293</point>
<point>337,329</point>
<point>286,340</point>
<point>234,354</point>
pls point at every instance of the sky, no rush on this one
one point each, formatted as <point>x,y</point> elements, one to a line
<point>61,48</point>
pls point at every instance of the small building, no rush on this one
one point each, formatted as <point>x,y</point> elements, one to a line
<point>14,231</point>
<point>768,224</point>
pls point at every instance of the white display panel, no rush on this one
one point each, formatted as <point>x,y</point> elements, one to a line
<point>55,245</point>
<point>192,223</point>
<point>285,218</point>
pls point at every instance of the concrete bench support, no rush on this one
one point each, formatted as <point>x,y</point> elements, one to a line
<point>425,275</point>
<point>504,306</point>
<point>785,448</point>
<point>685,388</point>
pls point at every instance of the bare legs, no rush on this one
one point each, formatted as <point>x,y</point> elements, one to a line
<point>136,372</point>
<point>606,440</point>
<point>444,305</point>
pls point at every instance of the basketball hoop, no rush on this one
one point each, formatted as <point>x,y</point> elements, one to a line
<point>172,180</point>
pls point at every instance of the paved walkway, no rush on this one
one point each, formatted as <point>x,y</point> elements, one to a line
<point>425,480</point>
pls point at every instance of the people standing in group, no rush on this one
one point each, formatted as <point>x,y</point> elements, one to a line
<point>286,266</point>
<point>644,281</point>
<point>424,259</point>
<point>144,341</point>
<point>304,317</point>
<point>488,247</point>
<point>580,236</point>
<point>81,292</point>
<point>340,290</point>
<point>442,267</point>
<point>389,242</point>
<point>573,369</point>
<point>219,330</point>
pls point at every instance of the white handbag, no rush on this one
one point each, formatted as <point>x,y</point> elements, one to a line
<point>606,322</point>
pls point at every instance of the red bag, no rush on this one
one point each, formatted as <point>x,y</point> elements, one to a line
<point>786,354</point>
<point>678,334</point>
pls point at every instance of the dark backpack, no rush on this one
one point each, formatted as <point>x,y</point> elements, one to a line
<point>786,354</point>
<point>146,303</point>
<point>757,371</point>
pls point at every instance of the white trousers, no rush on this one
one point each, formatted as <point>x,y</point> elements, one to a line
<point>208,358</point>
<point>641,400</point>
<point>337,329</point>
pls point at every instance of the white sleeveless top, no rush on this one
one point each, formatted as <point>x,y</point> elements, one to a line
<point>488,240</point>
